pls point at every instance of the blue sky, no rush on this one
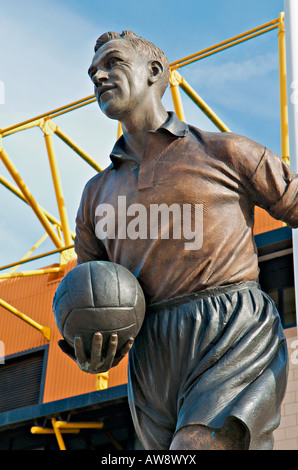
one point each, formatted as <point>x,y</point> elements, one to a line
<point>46,49</point>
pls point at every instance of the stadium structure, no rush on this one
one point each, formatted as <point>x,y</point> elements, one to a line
<point>46,401</point>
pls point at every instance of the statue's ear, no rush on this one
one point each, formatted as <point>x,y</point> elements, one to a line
<point>155,71</point>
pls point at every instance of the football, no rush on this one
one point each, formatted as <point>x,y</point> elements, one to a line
<point>99,296</point>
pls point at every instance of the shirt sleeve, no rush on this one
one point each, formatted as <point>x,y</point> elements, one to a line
<point>275,187</point>
<point>87,246</point>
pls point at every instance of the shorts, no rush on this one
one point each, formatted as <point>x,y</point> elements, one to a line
<point>204,357</point>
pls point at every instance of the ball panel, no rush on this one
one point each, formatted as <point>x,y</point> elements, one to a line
<point>78,285</point>
<point>74,289</point>
<point>95,284</point>
<point>103,283</point>
<point>103,321</point>
<point>127,285</point>
<point>62,305</point>
<point>140,306</point>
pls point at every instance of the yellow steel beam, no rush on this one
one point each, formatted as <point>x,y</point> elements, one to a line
<point>193,95</point>
<point>285,152</point>
<point>60,233</point>
<point>48,127</point>
<point>63,427</point>
<point>76,148</point>
<point>34,258</point>
<point>28,196</point>
<point>119,130</point>
<point>102,381</point>
<point>18,193</point>
<point>65,256</point>
<point>50,114</point>
<point>37,244</point>
<point>20,127</point>
<point>41,430</point>
<point>220,49</point>
<point>226,44</point>
<point>43,329</point>
<point>81,425</point>
<point>60,427</point>
<point>36,272</point>
<point>58,435</point>
<point>72,108</point>
<point>175,80</point>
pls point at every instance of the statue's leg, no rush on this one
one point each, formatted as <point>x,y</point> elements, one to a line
<point>200,361</point>
<point>232,436</point>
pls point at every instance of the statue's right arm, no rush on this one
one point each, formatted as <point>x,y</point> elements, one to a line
<point>87,246</point>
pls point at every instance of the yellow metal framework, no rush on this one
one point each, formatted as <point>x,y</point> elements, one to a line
<point>59,230</point>
<point>64,427</point>
<point>43,329</point>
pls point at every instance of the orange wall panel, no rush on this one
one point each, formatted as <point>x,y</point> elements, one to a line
<point>118,375</point>
<point>32,297</point>
<point>264,222</point>
<point>64,378</point>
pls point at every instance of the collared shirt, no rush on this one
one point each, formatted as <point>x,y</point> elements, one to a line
<point>205,185</point>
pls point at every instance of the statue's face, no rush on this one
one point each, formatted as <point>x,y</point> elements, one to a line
<point>120,78</point>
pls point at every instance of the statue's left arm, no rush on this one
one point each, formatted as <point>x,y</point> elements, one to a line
<point>267,180</point>
<point>275,186</point>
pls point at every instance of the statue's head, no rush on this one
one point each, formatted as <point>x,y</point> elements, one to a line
<point>127,69</point>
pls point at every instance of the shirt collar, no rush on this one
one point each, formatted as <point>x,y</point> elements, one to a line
<point>173,125</point>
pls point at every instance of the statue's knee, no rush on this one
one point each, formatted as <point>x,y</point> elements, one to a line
<point>232,436</point>
<point>195,437</point>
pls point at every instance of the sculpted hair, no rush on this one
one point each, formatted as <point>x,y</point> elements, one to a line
<point>144,47</point>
